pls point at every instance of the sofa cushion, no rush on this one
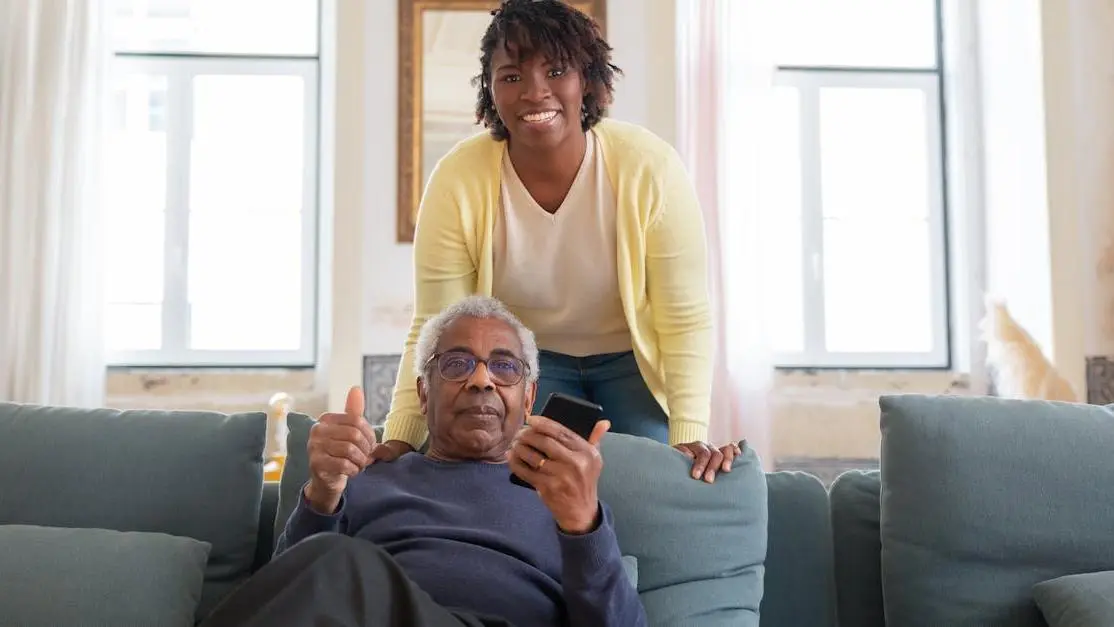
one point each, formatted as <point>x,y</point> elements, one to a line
<point>67,576</point>
<point>855,498</point>
<point>1083,600</point>
<point>190,474</point>
<point>984,497</point>
<point>798,588</point>
<point>699,547</point>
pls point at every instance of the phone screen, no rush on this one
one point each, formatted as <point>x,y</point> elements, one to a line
<point>577,414</point>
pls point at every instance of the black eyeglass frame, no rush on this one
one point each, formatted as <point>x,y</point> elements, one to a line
<point>476,361</point>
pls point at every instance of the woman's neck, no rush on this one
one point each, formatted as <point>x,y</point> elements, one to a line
<point>559,163</point>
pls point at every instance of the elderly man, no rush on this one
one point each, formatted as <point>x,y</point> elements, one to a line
<point>445,538</point>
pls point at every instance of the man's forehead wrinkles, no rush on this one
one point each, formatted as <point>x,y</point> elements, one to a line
<point>497,351</point>
<point>462,334</point>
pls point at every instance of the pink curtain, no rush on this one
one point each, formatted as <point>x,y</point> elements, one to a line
<point>721,152</point>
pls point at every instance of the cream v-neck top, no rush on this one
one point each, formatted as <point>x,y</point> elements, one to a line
<point>557,271</point>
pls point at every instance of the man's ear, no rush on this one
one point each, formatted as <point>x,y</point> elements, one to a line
<point>423,396</point>
<point>530,395</point>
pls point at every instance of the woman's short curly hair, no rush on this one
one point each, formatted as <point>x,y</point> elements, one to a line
<point>561,34</point>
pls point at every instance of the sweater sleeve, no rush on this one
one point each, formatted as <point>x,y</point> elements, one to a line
<point>596,588</point>
<point>444,272</point>
<point>676,267</point>
<point>305,522</point>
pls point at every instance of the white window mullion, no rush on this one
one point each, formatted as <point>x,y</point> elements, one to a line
<point>175,295</point>
<point>812,221</point>
<point>310,195</point>
<point>937,222</point>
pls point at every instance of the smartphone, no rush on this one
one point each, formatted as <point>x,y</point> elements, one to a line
<point>576,414</point>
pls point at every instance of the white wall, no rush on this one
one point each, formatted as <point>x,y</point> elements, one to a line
<point>1092,108</point>
<point>1016,198</point>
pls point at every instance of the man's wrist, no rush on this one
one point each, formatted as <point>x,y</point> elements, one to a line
<point>581,525</point>
<point>320,501</point>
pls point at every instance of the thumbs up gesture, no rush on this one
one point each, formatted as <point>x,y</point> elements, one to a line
<point>339,447</point>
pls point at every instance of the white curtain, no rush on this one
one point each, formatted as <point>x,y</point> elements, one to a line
<point>52,61</point>
<point>724,82</point>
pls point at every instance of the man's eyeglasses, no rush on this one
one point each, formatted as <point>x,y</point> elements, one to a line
<point>457,366</point>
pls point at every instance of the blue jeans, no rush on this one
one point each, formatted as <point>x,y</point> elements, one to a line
<point>611,380</point>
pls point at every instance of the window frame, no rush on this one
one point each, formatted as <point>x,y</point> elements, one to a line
<point>180,68</point>
<point>808,81</point>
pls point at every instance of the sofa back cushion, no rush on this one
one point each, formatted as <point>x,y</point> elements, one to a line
<point>798,588</point>
<point>699,547</point>
<point>856,509</point>
<point>183,473</point>
<point>295,470</point>
<point>984,497</point>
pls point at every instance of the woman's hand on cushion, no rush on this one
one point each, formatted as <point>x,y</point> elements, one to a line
<point>708,460</point>
<point>389,451</point>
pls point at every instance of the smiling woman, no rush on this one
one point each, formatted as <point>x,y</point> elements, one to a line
<point>588,229</point>
<point>437,102</point>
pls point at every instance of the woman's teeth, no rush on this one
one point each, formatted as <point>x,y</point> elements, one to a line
<point>540,117</point>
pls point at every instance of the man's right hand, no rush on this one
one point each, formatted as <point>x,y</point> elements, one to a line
<point>340,446</point>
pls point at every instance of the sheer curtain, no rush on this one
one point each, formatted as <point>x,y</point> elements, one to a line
<point>52,58</point>
<point>723,87</point>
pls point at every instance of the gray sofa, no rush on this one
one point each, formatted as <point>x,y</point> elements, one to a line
<point>986,512</point>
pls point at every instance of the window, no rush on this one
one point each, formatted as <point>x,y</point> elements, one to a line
<point>212,180</point>
<point>853,189</point>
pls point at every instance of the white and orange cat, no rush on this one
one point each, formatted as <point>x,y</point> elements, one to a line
<point>1020,369</point>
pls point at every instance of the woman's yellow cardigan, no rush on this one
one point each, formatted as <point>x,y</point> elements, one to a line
<point>661,261</point>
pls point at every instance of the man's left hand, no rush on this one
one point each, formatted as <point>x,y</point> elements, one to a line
<point>707,460</point>
<point>564,468</point>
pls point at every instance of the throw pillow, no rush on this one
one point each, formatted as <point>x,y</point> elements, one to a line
<point>62,576</point>
<point>1083,600</point>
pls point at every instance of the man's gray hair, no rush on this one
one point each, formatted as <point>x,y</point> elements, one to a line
<point>475,306</point>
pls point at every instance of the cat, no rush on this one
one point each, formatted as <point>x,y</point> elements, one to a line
<point>1020,369</point>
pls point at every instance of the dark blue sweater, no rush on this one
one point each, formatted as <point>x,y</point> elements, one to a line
<point>474,541</point>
